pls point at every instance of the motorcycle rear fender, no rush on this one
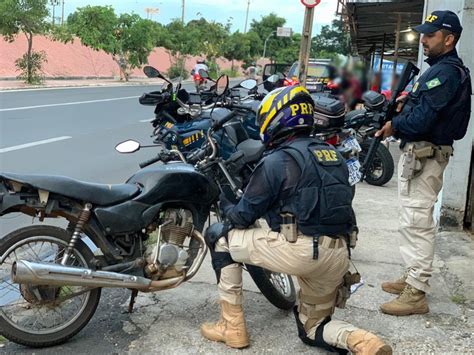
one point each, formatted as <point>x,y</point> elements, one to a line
<point>15,197</point>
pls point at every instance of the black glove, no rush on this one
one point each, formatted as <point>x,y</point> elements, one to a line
<point>225,204</point>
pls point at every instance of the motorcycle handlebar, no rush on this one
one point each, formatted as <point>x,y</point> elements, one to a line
<point>149,162</point>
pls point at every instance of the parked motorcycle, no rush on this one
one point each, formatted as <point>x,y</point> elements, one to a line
<point>362,122</point>
<point>147,231</point>
<point>181,118</point>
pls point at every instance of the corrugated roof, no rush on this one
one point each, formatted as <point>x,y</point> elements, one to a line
<point>368,20</point>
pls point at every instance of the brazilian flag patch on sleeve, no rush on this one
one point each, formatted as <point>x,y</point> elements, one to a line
<point>433,83</point>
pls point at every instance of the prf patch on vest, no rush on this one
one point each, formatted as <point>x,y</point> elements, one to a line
<point>326,156</point>
<point>433,83</point>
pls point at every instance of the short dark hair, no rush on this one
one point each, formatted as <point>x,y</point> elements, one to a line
<point>448,32</point>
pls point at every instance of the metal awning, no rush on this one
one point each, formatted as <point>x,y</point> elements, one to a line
<point>373,26</point>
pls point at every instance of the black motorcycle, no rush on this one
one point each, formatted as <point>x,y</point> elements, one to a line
<point>362,121</point>
<point>147,231</point>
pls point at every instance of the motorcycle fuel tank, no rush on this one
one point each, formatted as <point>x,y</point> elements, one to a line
<point>174,182</point>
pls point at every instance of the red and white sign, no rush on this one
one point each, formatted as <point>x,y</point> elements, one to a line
<point>310,3</point>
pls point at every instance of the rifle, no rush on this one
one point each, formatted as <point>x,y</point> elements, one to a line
<point>408,73</point>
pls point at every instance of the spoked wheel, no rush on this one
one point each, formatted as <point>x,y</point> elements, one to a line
<point>36,315</point>
<point>278,288</point>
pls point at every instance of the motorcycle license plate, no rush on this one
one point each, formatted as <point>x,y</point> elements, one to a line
<point>351,142</point>
<point>354,170</point>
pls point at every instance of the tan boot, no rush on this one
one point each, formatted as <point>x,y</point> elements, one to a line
<point>365,343</point>
<point>230,329</point>
<point>410,301</point>
<point>396,287</point>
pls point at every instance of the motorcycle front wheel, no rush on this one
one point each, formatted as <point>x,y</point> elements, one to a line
<point>382,168</point>
<point>278,288</point>
<point>40,316</point>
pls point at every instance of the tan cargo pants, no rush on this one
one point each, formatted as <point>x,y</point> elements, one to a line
<point>417,228</point>
<point>319,279</point>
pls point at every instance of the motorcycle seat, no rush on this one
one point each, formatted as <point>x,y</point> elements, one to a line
<point>97,194</point>
<point>252,148</point>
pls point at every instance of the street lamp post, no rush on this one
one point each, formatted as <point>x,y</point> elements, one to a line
<point>265,44</point>
<point>182,11</point>
<point>247,16</point>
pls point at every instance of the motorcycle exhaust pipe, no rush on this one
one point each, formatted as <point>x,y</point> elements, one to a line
<point>59,275</point>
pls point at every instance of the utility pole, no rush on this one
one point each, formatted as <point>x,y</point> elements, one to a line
<point>305,44</point>
<point>62,13</point>
<point>247,16</point>
<point>182,11</point>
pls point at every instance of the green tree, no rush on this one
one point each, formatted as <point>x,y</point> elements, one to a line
<point>28,17</point>
<point>237,47</point>
<point>179,43</point>
<point>331,41</point>
<point>265,28</point>
<point>289,53</point>
<point>129,39</point>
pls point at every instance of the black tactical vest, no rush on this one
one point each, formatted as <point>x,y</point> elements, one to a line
<point>322,202</point>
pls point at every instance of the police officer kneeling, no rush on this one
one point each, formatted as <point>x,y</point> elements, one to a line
<point>306,181</point>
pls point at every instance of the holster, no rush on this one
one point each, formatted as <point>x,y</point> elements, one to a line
<point>412,162</point>
<point>417,153</point>
<point>344,291</point>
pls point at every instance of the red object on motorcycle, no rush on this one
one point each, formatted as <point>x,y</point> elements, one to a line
<point>333,140</point>
<point>332,85</point>
<point>197,77</point>
<point>290,82</point>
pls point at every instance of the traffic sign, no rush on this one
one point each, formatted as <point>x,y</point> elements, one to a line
<point>310,3</point>
<point>284,31</point>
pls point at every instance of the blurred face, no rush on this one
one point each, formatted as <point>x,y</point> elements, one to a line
<point>436,43</point>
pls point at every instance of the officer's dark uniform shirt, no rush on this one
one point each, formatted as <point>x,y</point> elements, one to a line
<point>305,177</point>
<point>277,175</point>
<point>426,116</point>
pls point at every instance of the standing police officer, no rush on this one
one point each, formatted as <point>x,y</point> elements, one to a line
<point>301,188</point>
<point>436,113</point>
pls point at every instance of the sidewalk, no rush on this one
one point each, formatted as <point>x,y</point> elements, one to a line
<point>62,83</point>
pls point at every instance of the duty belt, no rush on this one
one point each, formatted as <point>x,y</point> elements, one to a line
<point>425,149</point>
<point>330,242</point>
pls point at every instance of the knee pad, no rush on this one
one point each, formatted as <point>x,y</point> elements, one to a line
<point>215,232</point>
<point>318,341</point>
<point>219,259</point>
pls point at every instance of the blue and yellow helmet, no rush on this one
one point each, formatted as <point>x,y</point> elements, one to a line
<point>283,111</point>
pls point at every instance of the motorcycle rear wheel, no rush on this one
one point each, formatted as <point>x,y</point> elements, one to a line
<point>18,319</point>
<point>277,288</point>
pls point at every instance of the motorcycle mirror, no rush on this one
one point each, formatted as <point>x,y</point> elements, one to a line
<point>273,78</point>
<point>204,74</point>
<point>151,72</point>
<point>248,84</point>
<point>128,146</point>
<point>222,84</point>
<point>164,87</point>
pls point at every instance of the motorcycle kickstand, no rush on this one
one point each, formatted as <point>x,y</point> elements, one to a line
<point>132,300</point>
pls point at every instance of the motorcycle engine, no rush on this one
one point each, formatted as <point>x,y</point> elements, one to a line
<point>167,248</point>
